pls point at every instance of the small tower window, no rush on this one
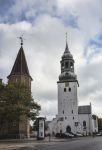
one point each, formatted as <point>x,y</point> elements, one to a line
<point>66,64</point>
<point>69,89</point>
<point>71,65</point>
<point>84,123</point>
<point>64,89</point>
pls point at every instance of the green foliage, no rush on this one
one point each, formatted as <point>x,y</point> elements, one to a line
<point>15,101</point>
<point>100,124</point>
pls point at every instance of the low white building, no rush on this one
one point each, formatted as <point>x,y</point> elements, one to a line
<point>71,117</point>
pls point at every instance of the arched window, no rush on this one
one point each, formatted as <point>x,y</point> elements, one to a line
<point>66,64</point>
<point>84,123</point>
<point>64,89</point>
<point>68,129</point>
<point>71,65</point>
<point>69,89</point>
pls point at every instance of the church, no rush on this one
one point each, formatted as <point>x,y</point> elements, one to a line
<point>71,118</point>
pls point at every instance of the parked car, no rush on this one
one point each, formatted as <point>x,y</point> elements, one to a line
<point>68,135</point>
<point>99,134</point>
<point>79,134</point>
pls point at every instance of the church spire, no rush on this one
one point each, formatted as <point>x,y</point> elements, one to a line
<point>66,48</point>
<point>67,65</point>
<point>20,66</point>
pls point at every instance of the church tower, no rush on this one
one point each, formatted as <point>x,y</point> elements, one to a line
<point>20,74</point>
<point>67,94</point>
<point>20,71</point>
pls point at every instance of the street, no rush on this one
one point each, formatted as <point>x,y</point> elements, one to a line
<point>88,143</point>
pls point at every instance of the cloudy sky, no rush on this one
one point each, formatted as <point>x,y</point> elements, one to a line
<point>43,24</point>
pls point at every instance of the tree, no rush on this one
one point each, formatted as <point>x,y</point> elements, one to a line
<point>100,124</point>
<point>15,101</point>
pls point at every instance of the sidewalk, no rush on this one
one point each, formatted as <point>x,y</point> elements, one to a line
<point>15,144</point>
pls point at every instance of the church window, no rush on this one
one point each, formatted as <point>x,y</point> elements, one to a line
<point>84,123</point>
<point>69,89</point>
<point>64,89</point>
<point>71,65</point>
<point>66,64</point>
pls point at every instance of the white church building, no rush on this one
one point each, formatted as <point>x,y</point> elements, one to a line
<point>71,117</point>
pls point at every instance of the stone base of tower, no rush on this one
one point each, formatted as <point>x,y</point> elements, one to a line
<point>15,129</point>
<point>24,127</point>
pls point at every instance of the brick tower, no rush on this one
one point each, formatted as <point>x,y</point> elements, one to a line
<point>20,74</point>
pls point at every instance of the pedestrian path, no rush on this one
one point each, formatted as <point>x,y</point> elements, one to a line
<point>17,143</point>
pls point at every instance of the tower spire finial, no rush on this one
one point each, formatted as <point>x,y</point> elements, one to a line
<point>66,48</point>
<point>21,39</point>
<point>66,36</point>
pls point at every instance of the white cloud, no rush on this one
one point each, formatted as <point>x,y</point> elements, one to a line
<point>45,43</point>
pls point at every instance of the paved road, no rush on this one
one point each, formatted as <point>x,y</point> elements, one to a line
<point>82,144</point>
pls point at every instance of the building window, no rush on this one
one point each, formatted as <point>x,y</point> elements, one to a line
<point>61,119</point>
<point>66,64</point>
<point>84,123</point>
<point>76,124</point>
<point>73,118</point>
<point>72,111</point>
<point>63,111</point>
<point>71,65</point>
<point>64,89</point>
<point>69,89</point>
<point>65,118</point>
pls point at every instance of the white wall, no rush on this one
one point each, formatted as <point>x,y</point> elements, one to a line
<point>88,119</point>
<point>67,101</point>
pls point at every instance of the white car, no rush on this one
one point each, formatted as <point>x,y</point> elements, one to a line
<point>79,134</point>
<point>68,135</point>
<point>99,134</point>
